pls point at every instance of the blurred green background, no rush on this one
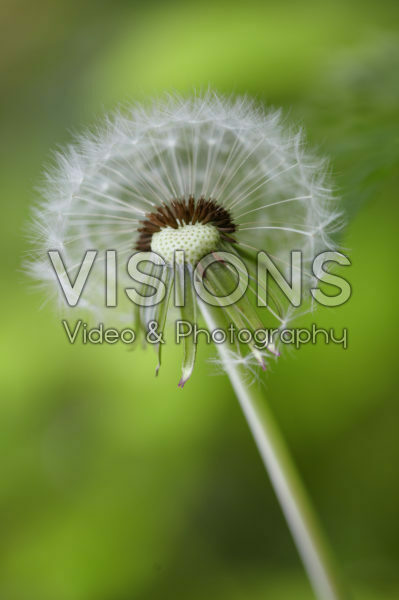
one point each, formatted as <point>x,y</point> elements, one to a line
<point>114,485</point>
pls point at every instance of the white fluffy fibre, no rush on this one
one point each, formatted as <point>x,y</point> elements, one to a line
<point>228,149</point>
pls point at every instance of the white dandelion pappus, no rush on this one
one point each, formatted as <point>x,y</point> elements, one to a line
<point>203,174</point>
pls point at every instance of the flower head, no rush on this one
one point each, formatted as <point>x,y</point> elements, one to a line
<point>205,175</point>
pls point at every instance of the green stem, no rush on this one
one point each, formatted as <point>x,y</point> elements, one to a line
<point>301,519</point>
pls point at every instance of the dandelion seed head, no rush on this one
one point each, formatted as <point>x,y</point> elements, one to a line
<point>196,174</point>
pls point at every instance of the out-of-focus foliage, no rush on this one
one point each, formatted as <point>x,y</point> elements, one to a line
<point>116,485</point>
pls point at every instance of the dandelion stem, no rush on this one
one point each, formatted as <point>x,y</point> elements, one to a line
<point>295,504</point>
